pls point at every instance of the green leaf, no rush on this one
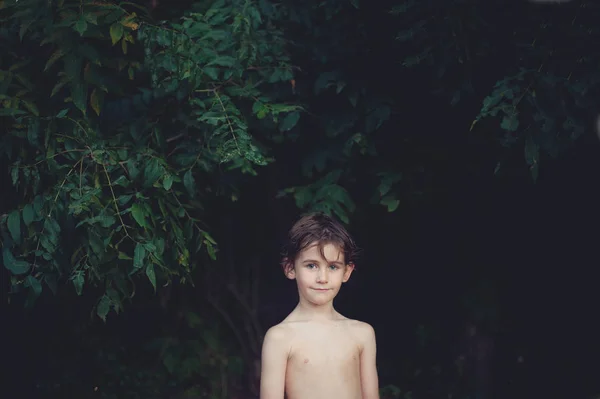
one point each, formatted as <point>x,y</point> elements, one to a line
<point>33,130</point>
<point>497,169</point>
<point>31,107</point>
<point>124,199</point>
<point>167,182</point>
<point>11,112</point>
<point>510,122</point>
<point>324,80</point>
<point>211,250</point>
<point>14,225</point>
<point>151,275</point>
<point>211,339</point>
<point>302,196</point>
<point>106,221</point>
<point>455,97</point>
<point>62,113</point>
<point>53,58</point>
<point>80,26</point>
<point>212,73</point>
<point>35,285</point>
<point>46,243</point>
<point>24,26</point>
<point>189,183</point>
<point>387,181</point>
<point>51,282</point>
<point>261,112</point>
<point>160,245</point>
<point>53,228</point>
<point>58,86</point>
<point>390,202</point>
<point>289,121</point>
<point>139,254</point>
<point>532,151</point>
<point>96,100</point>
<point>132,167</point>
<point>209,238</point>
<point>14,174</point>
<point>224,61</point>
<point>275,76</point>
<point>139,215</point>
<point>91,18</point>
<point>16,267</point>
<point>150,247</point>
<point>376,118</point>
<point>79,94</point>
<point>116,32</point>
<point>121,181</point>
<point>152,172</point>
<point>73,67</point>
<point>28,214</point>
<point>38,205</point>
<point>170,361</point>
<point>103,307</point>
<point>535,171</point>
<point>78,281</point>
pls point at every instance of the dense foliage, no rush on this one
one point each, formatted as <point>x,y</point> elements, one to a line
<point>545,92</point>
<point>123,132</point>
<point>113,159</point>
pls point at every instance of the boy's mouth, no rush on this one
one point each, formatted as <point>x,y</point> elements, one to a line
<point>321,289</point>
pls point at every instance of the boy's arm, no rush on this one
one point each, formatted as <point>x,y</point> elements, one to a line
<point>369,381</point>
<point>275,351</point>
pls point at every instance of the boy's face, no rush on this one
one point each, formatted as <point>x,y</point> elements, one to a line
<point>319,278</point>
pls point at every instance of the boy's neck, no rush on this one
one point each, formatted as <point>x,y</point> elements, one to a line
<point>308,311</point>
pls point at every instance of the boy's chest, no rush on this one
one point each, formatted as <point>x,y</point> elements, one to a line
<point>324,352</point>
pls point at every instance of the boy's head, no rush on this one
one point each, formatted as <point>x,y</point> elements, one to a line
<point>320,256</point>
<point>318,230</point>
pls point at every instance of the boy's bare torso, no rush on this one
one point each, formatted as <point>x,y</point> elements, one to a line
<point>324,359</point>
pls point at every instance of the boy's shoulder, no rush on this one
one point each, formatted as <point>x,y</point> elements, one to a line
<point>291,326</point>
<point>363,326</point>
<point>291,336</point>
<point>364,331</point>
<point>278,332</point>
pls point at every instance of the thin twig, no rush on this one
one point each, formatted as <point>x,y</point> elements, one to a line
<point>78,124</point>
<point>52,157</point>
<point>62,184</point>
<point>176,137</point>
<point>257,331</point>
<point>115,201</point>
<point>231,324</point>
<point>37,248</point>
<point>228,121</point>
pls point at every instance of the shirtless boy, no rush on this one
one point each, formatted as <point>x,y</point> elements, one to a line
<point>316,353</point>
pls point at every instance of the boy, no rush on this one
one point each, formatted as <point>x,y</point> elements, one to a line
<point>316,353</point>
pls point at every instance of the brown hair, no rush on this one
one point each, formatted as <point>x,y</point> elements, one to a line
<point>321,229</point>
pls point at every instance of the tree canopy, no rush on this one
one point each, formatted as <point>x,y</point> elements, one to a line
<point>119,127</point>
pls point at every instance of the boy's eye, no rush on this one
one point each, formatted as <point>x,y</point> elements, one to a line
<point>312,266</point>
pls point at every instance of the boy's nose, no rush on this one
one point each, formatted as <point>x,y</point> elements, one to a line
<point>322,277</point>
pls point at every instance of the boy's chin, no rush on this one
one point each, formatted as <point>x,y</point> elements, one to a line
<point>320,298</point>
<point>319,302</point>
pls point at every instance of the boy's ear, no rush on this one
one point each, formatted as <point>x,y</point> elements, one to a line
<point>288,268</point>
<point>348,271</point>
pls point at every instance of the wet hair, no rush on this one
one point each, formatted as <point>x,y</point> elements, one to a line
<point>321,229</point>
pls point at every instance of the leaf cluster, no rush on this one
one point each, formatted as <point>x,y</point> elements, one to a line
<point>113,161</point>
